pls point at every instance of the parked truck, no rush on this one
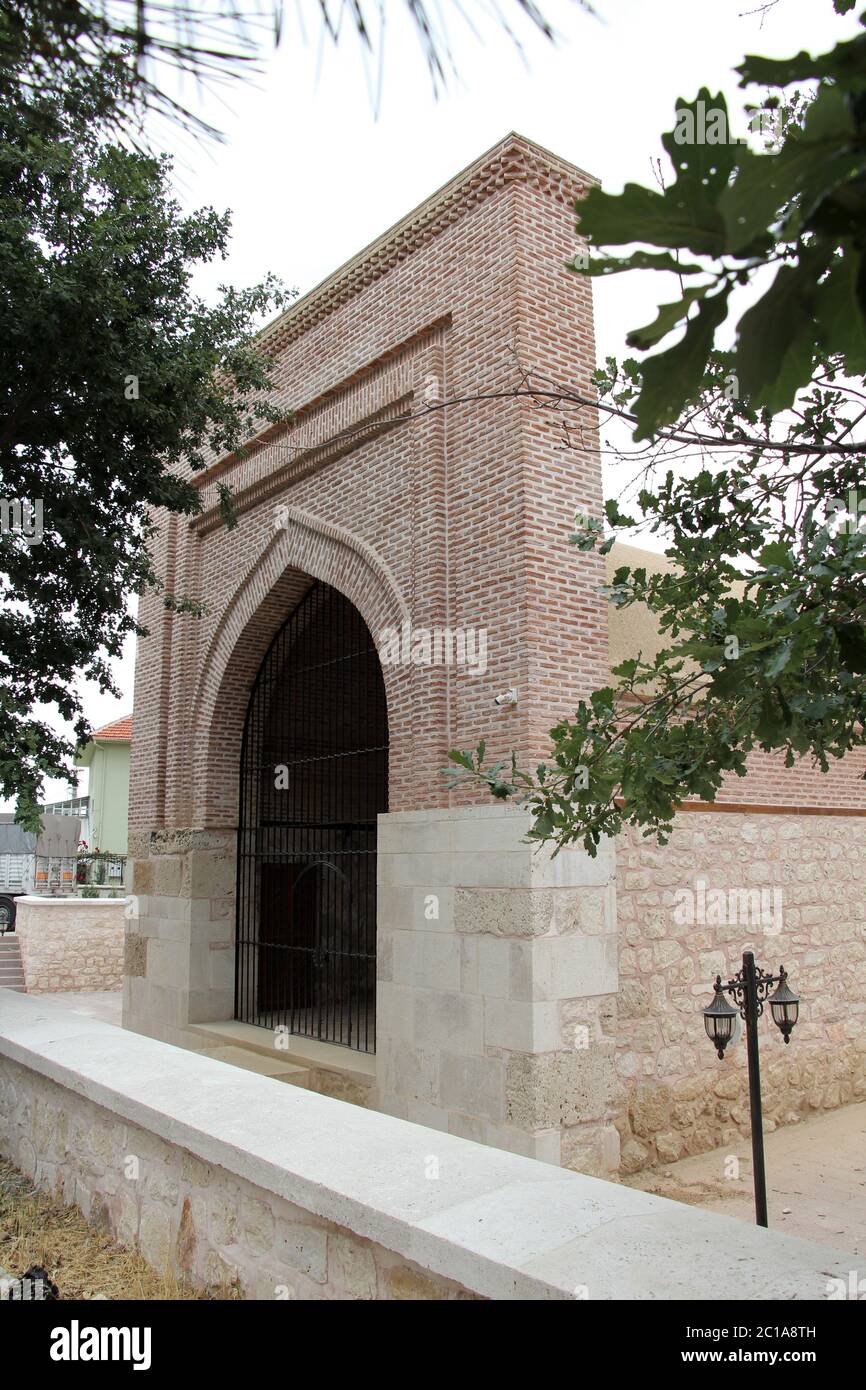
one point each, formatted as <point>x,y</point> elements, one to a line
<point>31,863</point>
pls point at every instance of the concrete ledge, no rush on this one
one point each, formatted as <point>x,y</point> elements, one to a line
<point>496,1224</point>
<point>35,900</point>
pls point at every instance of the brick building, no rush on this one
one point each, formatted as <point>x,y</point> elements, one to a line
<point>306,885</point>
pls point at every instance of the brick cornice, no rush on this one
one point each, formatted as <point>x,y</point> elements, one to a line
<point>513,160</point>
<point>760,808</point>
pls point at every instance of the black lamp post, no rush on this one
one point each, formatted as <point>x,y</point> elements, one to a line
<point>750,988</point>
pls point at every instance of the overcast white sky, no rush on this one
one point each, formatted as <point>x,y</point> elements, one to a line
<point>312,172</point>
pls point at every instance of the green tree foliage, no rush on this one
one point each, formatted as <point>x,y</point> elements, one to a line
<point>761,620</point>
<point>799,208</point>
<point>216,43</point>
<point>749,463</point>
<point>115,381</point>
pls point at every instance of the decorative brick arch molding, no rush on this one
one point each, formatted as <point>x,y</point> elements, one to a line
<point>303,548</point>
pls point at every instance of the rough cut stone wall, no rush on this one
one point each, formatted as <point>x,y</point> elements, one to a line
<point>190,1218</point>
<point>70,946</point>
<point>674,1095</point>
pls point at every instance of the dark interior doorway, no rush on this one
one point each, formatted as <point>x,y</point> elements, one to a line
<point>313,778</point>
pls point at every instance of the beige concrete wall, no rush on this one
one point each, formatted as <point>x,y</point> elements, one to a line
<point>71,944</point>
<point>674,1096</point>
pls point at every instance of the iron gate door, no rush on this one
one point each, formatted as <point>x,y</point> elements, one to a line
<point>313,777</point>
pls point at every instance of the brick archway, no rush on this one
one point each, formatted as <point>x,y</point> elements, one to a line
<point>442,525</point>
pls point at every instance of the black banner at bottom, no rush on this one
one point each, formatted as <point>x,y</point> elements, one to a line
<point>63,1338</point>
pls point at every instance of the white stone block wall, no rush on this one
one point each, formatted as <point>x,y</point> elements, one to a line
<point>233,1179</point>
<point>71,943</point>
<point>552,1006</point>
<point>497,985</point>
<point>180,957</point>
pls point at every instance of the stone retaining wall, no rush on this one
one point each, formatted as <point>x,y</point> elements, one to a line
<point>236,1180</point>
<point>192,1219</point>
<point>71,943</point>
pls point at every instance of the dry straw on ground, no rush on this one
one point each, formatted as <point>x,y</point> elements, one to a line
<point>39,1230</point>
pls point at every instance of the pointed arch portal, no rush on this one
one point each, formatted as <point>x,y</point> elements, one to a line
<point>313,779</point>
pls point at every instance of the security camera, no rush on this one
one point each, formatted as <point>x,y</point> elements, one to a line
<point>508,697</point>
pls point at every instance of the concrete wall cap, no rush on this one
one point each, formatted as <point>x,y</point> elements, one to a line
<point>34,900</point>
<point>503,1226</point>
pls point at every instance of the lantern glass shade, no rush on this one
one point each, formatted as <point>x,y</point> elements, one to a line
<point>784,1006</point>
<point>719,1021</point>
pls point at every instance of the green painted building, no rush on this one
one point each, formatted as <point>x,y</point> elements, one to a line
<point>106,757</point>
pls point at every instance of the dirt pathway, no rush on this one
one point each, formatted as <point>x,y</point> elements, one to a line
<point>816,1179</point>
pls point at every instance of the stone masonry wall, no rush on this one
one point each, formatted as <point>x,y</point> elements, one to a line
<point>70,945</point>
<point>180,959</point>
<point>496,999</point>
<point>674,1095</point>
<point>197,1221</point>
<point>234,1179</point>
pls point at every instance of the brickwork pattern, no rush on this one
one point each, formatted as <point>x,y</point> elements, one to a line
<point>447,519</point>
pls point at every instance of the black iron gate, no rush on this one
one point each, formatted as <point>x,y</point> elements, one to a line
<point>314,775</point>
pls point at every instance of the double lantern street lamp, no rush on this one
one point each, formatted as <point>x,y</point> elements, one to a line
<point>750,989</point>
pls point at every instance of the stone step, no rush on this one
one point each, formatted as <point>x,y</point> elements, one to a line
<point>11,969</point>
<point>249,1060</point>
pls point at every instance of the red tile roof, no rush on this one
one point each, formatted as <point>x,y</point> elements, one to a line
<point>120,729</point>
